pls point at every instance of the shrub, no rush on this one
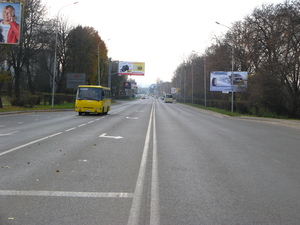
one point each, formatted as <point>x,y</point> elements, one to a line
<point>26,101</point>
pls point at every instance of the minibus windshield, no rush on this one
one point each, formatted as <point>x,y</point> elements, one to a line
<point>89,93</point>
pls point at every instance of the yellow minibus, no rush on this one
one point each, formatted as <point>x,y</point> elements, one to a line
<point>169,98</point>
<point>92,99</point>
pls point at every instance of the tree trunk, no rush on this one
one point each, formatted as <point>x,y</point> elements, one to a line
<point>17,84</point>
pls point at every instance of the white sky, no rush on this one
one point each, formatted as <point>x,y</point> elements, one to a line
<point>160,33</point>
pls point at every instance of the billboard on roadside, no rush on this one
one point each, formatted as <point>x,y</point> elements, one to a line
<point>221,81</point>
<point>131,68</point>
<point>127,85</point>
<point>10,22</point>
<point>174,90</point>
<point>130,85</point>
<point>75,79</point>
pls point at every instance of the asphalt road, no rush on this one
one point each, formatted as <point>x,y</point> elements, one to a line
<point>148,162</point>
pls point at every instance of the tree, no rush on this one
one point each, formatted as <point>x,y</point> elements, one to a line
<point>83,45</point>
<point>267,45</point>
<point>22,57</point>
<point>276,32</point>
<point>4,77</point>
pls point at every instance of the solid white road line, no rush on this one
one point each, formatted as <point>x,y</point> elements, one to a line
<point>66,194</point>
<point>154,211</point>
<point>138,193</point>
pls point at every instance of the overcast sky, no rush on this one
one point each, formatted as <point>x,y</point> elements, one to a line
<point>161,33</point>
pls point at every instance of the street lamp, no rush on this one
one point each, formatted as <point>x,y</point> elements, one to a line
<point>204,68</point>
<point>232,65</point>
<point>194,53</point>
<point>192,82</point>
<point>99,60</point>
<point>55,50</point>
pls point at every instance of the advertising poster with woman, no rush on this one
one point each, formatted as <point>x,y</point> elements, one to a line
<point>10,20</point>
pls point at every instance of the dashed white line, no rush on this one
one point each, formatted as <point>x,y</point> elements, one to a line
<point>53,135</point>
<point>41,139</point>
<point>73,128</point>
<point>7,134</point>
<point>29,143</point>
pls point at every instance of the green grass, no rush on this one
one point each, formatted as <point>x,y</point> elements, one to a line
<point>222,111</point>
<point>8,107</point>
<point>226,112</point>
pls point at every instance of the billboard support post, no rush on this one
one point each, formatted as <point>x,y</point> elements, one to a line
<point>232,68</point>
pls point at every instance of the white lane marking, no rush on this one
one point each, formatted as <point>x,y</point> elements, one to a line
<point>132,118</point>
<point>154,206</point>
<point>91,121</point>
<point>114,137</point>
<point>7,134</point>
<point>138,192</point>
<point>44,138</point>
<point>29,143</point>
<point>118,111</point>
<point>73,128</point>
<point>53,135</point>
<point>66,194</point>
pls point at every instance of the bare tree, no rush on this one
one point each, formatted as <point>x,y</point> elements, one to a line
<point>22,56</point>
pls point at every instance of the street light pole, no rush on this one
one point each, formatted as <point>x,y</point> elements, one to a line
<point>204,67</point>
<point>55,53</point>
<point>232,66</point>
<point>99,60</point>
<point>192,82</point>
<point>193,57</point>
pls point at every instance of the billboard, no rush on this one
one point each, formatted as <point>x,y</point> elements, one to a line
<point>75,79</point>
<point>133,85</point>
<point>127,85</point>
<point>174,90</point>
<point>131,68</point>
<point>130,85</point>
<point>10,20</point>
<point>221,81</point>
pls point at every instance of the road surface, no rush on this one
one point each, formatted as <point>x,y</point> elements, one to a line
<point>148,162</point>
